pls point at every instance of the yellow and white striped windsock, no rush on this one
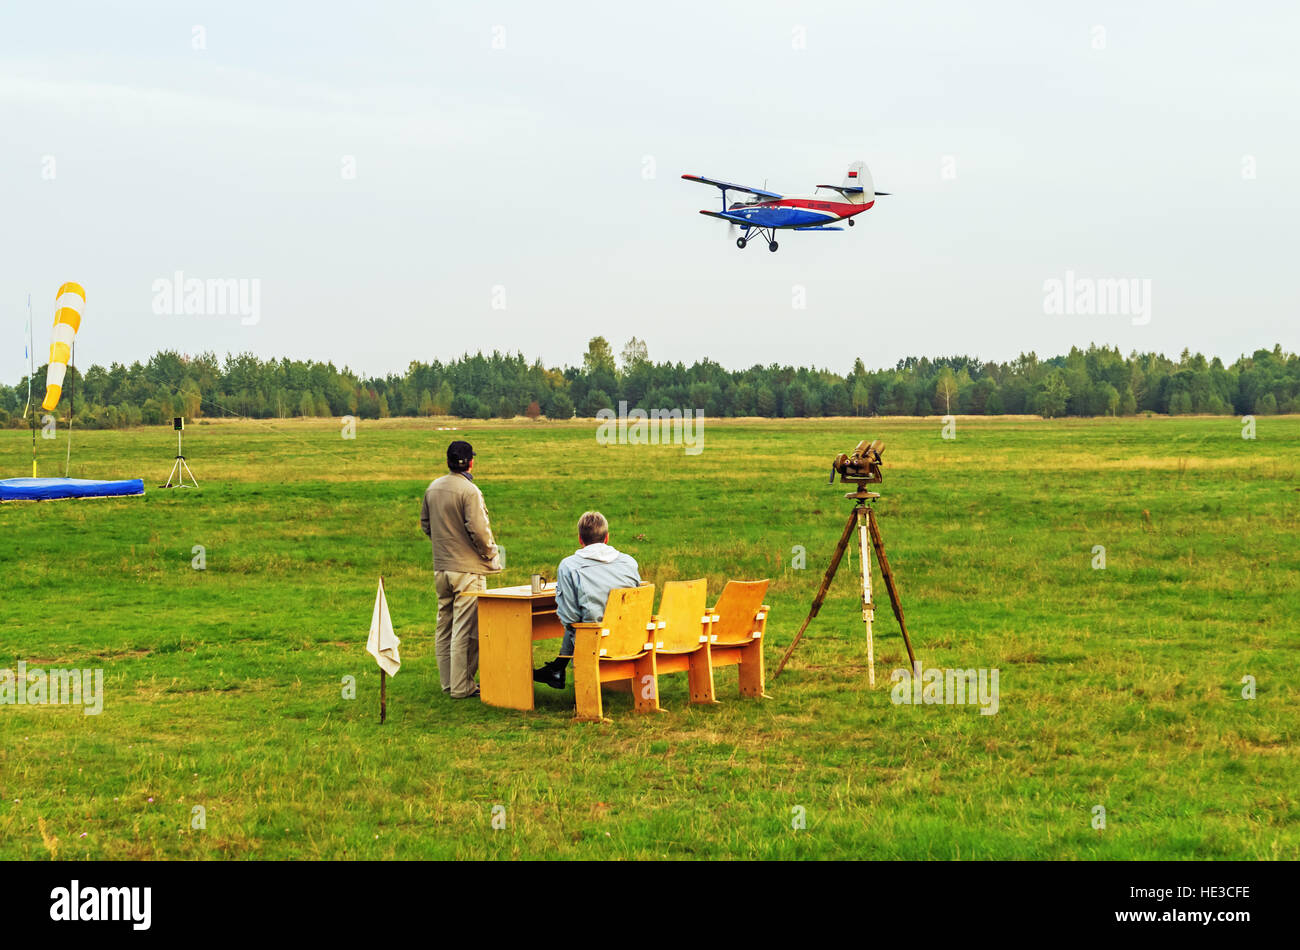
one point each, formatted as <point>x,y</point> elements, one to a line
<point>69,303</point>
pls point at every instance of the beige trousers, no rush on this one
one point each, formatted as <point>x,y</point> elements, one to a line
<point>456,641</point>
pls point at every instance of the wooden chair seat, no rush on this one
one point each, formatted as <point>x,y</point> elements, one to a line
<point>681,637</point>
<point>620,646</point>
<point>738,622</point>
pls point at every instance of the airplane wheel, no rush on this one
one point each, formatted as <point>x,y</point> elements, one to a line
<point>740,243</point>
<point>773,246</point>
<point>852,222</point>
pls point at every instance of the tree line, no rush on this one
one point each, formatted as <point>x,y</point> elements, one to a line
<point>1093,382</point>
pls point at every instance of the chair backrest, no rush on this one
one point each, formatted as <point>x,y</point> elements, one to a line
<point>736,610</point>
<point>678,622</point>
<point>627,615</point>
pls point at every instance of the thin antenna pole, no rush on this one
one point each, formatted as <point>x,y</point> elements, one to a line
<point>31,371</point>
<point>31,357</point>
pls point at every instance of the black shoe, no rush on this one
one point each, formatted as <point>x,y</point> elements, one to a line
<point>552,674</point>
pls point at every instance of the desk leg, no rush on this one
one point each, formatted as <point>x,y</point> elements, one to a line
<point>505,653</point>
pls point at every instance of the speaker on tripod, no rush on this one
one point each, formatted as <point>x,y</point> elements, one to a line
<point>180,468</point>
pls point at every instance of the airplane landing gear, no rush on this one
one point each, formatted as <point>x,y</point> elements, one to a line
<point>763,233</point>
<point>852,222</point>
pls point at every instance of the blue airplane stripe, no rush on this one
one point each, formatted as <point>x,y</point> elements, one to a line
<point>783,217</point>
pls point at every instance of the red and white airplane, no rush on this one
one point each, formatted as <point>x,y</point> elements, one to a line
<point>769,212</point>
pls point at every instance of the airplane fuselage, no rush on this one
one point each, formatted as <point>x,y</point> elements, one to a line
<point>797,211</point>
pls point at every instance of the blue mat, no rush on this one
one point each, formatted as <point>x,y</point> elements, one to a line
<point>44,489</point>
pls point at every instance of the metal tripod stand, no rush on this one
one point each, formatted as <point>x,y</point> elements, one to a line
<point>863,517</point>
<point>180,468</point>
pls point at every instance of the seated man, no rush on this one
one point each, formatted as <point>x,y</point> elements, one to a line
<point>582,586</point>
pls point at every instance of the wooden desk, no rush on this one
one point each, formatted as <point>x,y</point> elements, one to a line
<point>509,620</point>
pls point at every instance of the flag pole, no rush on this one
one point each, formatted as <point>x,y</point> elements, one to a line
<point>383,676</point>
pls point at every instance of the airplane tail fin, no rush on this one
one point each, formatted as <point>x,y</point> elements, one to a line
<point>859,176</point>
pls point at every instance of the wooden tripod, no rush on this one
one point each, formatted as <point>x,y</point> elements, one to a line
<point>863,517</point>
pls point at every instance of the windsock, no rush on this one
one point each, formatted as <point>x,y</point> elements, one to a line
<point>69,303</point>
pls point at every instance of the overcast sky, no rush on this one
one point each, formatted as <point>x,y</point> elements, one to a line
<point>414,181</point>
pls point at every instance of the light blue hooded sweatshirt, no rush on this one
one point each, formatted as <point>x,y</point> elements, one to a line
<point>583,583</point>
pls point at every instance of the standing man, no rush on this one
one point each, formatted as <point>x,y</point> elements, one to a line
<point>455,518</point>
<point>582,586</point>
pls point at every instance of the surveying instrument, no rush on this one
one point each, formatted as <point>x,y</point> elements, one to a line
<point>180,468</point>
<point>862,468</point>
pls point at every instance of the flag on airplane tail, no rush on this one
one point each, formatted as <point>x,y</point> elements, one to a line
<point>383,643</point>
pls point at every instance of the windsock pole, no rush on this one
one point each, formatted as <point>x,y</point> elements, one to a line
<point>72,406</point>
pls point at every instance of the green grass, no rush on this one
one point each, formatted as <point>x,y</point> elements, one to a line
<point>1119,687</point>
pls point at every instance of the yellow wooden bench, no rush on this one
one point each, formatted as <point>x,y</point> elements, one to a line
<point>631,645</point>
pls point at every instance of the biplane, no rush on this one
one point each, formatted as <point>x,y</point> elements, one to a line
<point>767,212</point>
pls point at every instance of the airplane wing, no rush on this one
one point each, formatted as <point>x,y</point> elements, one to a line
<point>728,186</point>
<point>733,218</point>
<point>741,219</point>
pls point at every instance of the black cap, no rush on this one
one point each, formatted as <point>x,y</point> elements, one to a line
<point>458,454</point>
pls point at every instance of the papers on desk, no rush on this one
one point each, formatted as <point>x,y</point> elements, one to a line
<point>519,590</point>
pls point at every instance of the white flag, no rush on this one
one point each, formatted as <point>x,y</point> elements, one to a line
<point>383,643</point>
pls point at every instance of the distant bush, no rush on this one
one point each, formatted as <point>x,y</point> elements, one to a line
<point>466,406</point>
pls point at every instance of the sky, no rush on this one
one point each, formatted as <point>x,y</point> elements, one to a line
<point>415,181</point>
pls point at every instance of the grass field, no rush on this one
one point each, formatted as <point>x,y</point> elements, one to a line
<point>1120,687</point>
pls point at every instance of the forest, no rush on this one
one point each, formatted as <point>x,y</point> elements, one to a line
<point>1097,381</point>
